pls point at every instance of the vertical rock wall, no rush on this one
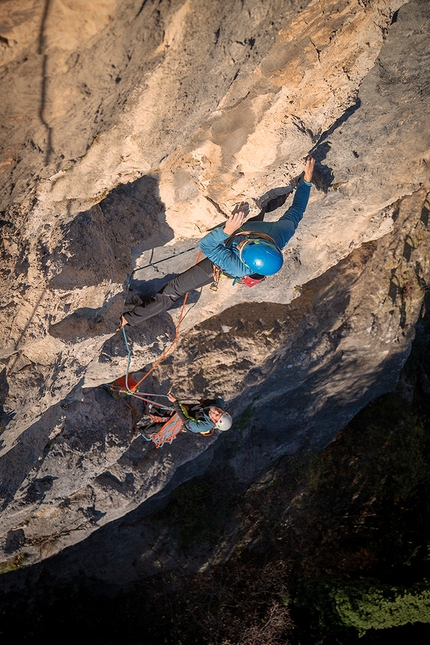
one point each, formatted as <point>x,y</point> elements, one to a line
<point>132,126</point>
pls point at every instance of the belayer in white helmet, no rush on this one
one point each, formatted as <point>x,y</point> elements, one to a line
<point>203,417</point>
<point>224,422</point>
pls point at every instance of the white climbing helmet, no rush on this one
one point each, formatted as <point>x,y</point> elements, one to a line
<point>225,422</point>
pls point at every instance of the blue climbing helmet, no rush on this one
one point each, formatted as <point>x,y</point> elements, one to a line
<point>261,256</point>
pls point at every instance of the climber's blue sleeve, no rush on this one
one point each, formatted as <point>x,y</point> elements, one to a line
<point>300,201</point>
<point>283,230</point>
<point>213,246</point>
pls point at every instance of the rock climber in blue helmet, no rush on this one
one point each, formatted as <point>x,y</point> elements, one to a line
<point>248,251</point>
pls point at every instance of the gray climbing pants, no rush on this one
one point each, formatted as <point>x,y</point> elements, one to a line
<point>197,276</point>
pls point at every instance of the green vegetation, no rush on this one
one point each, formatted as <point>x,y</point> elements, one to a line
<point>199,509</point>
<point>17,562</point>
<point>367,604</point>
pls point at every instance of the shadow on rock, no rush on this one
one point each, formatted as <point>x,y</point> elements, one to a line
<point>142,290</point>
<point>99,242</point>
<point>323,175</point>
<point>156,327</point>
<point>89,323</point>
<point>5,417</point>
<point>272,200</point>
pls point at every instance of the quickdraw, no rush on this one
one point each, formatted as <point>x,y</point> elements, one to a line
<point>217,271</point>
<point>247,280</point>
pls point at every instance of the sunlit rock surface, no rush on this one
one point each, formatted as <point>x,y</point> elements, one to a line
<point>129,130</point>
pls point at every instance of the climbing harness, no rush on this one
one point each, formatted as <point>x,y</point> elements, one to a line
<point>247,280</point>
<point>172,426</point>
<point>257,234</point>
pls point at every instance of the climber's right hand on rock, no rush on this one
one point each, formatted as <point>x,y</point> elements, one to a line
<point>239,213</point>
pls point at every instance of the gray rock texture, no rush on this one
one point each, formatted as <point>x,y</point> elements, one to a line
<point>129,130</point>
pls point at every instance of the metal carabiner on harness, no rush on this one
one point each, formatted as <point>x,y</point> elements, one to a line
<point>217,273</point>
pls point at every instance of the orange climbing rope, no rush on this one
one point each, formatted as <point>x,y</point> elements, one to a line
<point>170,429</point>
<point>121,386</point>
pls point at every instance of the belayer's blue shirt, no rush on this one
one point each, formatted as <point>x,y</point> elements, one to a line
<point>195,417</point>
<point>227,258</point>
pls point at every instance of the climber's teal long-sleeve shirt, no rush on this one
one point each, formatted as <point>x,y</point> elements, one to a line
<point>195,416</point>
<point>227,258</point>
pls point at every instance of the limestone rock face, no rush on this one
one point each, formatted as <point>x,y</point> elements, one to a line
<point>129,130</point>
